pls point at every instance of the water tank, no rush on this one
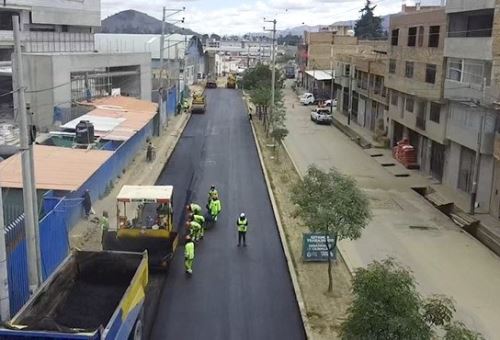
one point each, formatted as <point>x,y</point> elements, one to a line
<point>84,132</point>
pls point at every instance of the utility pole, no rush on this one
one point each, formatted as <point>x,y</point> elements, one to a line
<point>162,86</point>
<point>350,93</point>
<point>4,275</point>
<point>332,75</point>
<point>29,190</point>
<point>273,64</point>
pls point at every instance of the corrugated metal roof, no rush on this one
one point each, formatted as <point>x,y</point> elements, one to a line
<point>101,124</point>
<point>56,168</point>
<point>321,74</point>
<point>126,43</point>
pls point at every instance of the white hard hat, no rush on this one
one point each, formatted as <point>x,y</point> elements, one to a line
<point>242,215</point>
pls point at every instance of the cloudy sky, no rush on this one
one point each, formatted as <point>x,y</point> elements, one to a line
<point>241,16</point>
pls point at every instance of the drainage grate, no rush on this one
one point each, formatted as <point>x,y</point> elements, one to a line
<point>387,164</point>
<point>402,175</point>
<point>421,227</point>
<point>376,155</point>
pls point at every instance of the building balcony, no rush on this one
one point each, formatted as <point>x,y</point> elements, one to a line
<point>458,91</point>
<point>454,6</point>
<point>6,38</point>
<point>479,48</point>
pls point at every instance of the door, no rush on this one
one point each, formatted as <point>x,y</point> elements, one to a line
<point>437,161</point>
<point>466,169</point>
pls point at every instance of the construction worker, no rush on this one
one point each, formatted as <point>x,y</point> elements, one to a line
<point>212,193</point>
<point>194,229</point>
<point>201,221</point>
<point>193,208</point>
<point>242,224</point>
<point>189,255</point>
<point>104,224</point>
<point>214,208</point>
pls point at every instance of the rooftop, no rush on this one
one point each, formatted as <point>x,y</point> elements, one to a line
<point>56,168</point>
<point>321,74</point>
<point>145,193</point>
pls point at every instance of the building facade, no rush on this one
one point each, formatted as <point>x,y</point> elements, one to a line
<point>471,83</point>
<point>415,79</point>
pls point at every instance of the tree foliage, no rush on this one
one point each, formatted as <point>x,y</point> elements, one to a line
<point>387,306</point>
<point>331,204</point>
<point>289,39</point>
<point>368,26</point>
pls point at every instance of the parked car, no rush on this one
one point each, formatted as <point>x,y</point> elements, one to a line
<point>331,102</point>
<point>321,115</point>
<point>307,99</point>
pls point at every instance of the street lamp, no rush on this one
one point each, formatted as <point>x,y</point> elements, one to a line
<point>273,61</point>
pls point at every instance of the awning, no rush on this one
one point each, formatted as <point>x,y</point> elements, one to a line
<point>321,74</point>
<point>145,193</point>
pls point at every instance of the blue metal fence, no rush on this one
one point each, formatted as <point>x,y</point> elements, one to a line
<point>17,264</point>
<point>60,214</point>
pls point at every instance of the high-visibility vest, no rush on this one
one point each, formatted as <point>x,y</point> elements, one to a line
<point>215,207</point>
<point>242,224</point>
<point>199,219</point>
<point>194,226</point>
<point>189,250</point>
<point>213,193</point>
<point>195,208</point>
<point>104,223</point>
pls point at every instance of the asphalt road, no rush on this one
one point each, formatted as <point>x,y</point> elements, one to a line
<point>234,293</point>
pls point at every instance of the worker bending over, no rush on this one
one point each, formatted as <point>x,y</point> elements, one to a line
<point>201,221</point>
<point>189,255</point>
<point>194,229</point>
<point>242,224</point>
<point>193,208</point>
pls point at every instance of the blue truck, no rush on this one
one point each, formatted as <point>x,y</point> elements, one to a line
<point>91,295</point>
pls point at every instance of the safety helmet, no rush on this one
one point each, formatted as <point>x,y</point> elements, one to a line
<point>212,187</point>
<point>242,215</point>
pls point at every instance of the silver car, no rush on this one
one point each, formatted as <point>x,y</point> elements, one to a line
<point>321,115</point>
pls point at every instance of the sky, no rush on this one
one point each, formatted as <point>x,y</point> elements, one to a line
<point>243,16</point>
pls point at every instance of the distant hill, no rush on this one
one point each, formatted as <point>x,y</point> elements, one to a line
<point>299,30</point>
<point>135,22</point>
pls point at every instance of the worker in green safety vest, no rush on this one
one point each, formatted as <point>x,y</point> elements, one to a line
<point>194,229</point>
<point>242,224</point>
<point>214,208</point>
<point>104,224</point>
<point>201,221</point>
<point>189,255</point>
<point>193,208</point>
<point>212,193</point>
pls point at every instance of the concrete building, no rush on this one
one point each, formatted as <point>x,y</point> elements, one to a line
<point>369,94</point>
<point>46,26</point>
<point>415,77</point>
<point>472,89</point>
<point>56,82</point>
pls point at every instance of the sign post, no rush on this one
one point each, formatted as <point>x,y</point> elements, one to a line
<point>314,248</point>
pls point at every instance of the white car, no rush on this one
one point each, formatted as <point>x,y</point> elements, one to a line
<point>321,115</point>
<point>331,102</point>
<point>307,99</point>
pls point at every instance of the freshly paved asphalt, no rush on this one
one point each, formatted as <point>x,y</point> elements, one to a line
<point>234,293</point>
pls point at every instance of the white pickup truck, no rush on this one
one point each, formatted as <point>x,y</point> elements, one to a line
<point>321,115</point>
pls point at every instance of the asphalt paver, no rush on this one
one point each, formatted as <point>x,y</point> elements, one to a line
<point>235,292</point>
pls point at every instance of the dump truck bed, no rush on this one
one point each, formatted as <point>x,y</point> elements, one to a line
<point>91,295</point>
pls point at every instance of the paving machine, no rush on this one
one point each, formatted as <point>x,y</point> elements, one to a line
<point>198,105</point>
<point>144,218</point>
<point>231,81</point>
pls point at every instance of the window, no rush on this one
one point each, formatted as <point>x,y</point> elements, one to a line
<point>395,37</point>
<point>435,113</point>
<point>412,36</point>
<point>469,71</point>
<point>409,104</point>
<point>421,111</point>
<point>392,66</point>
<point>434,36</point>
<point>409,69</point>
<point>430,73</point>
<point>347,70</point>
<point>420,36</point>
<point>394,98</point>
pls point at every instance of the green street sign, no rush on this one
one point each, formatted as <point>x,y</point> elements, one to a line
<point>314,248</point>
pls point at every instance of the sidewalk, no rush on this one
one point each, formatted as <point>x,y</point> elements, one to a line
<point>86,233</point>
<point>488,230</point>
<point>443,258</point>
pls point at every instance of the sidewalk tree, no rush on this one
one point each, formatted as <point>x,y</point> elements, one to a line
<point>387,306</point>
<point>331,204</point>
<point>278,125</point>
<point>368,26</point>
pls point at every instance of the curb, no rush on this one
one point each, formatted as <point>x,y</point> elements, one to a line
<point>284,243</point>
